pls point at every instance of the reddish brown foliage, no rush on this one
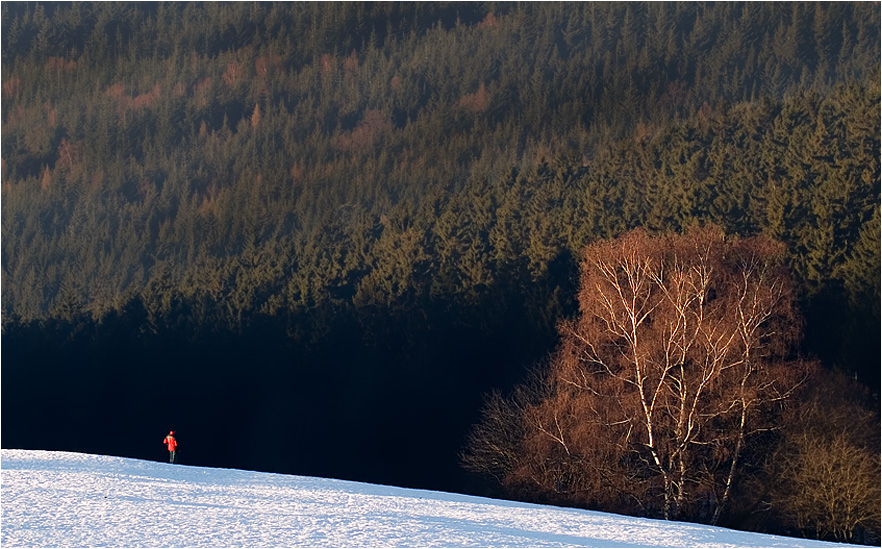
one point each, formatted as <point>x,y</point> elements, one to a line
<point>642,132</point>
<point>146,99</point>
<point>489,22</point>
<point>260,66</point>
<point>350,63</point>
<point>255,116</point>
<point>126,103</point>
<point>116,91</point>
<point>60,63</point>
<point>202,91</point>
<point>12,88</point>
<point>373,126</point>
<point>264,64</point>
<point>328,62</point>
<point>50,114</point>
<point>683,349</point>
<point>46,180</point>
<point>296,172</point>
<point>145,188</point>
<point>233,74</point>
<point>475,102</point>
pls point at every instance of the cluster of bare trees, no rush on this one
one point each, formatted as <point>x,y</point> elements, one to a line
<point>827,469</point>
<point>667,388</point>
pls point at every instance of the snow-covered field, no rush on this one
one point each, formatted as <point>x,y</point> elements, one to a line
<point>64,499</point>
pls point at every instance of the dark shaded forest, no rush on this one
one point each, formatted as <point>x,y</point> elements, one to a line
<point>310,237</point>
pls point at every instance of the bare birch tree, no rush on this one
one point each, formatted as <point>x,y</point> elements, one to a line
<point>683,348</point>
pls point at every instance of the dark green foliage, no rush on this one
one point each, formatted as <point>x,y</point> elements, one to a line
<point>405,175</point>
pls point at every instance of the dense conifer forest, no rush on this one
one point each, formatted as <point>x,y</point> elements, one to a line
<point>311,236</point>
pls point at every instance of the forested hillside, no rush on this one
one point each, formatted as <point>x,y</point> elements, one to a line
<point>311,235</point>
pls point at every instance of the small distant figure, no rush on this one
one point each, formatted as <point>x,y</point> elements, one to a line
<point>172,445</point>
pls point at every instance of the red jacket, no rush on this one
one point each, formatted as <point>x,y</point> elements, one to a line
<point>171,442</point>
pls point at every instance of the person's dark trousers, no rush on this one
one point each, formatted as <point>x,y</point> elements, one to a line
<point>171,456</point>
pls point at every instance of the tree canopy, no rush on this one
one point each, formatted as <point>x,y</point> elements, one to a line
<point>681,355</point>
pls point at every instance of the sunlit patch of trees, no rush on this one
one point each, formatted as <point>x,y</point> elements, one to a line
<point>678,382</point>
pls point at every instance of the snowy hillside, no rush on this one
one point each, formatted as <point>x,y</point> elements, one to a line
<point>68,499</point>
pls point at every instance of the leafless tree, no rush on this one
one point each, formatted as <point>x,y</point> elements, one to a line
<point>681,354</point>
<point>828,481</point>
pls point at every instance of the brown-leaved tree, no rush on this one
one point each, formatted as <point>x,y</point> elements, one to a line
<point>673,373</point>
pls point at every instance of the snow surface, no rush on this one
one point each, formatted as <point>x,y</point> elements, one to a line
<point>66,499</point>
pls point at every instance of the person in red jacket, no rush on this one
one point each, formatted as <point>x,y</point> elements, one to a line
<point>172,445</point>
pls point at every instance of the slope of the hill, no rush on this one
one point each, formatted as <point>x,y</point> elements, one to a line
<point>67,499</point>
